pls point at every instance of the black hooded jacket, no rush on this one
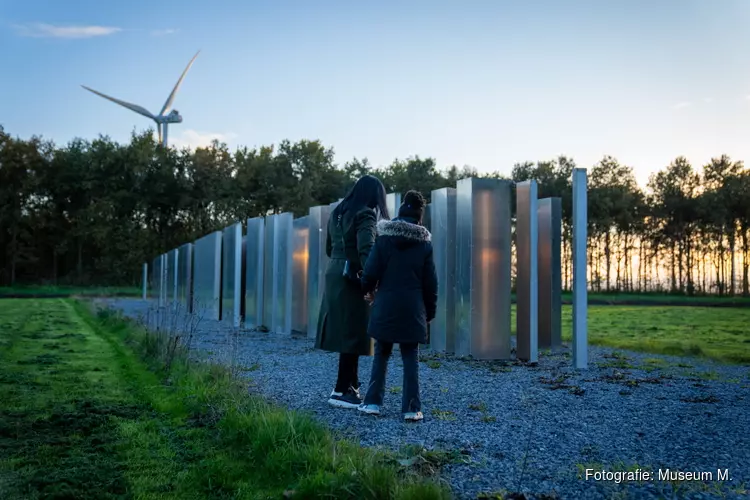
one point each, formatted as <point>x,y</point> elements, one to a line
<point>401,267</point>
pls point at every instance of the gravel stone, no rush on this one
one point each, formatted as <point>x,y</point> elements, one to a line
<point>520,428</point>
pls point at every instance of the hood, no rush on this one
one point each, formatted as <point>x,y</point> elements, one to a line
<point>405,233</point>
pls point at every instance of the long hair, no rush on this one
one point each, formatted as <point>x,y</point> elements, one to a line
<point>367,192</point>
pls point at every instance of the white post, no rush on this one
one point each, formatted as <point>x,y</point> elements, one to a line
<point>580,297</point>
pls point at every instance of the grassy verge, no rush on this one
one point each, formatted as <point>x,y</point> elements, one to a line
<point>721,334</point>
<point>69,291</point>
<point>89,412</point>
<point>660,299</point>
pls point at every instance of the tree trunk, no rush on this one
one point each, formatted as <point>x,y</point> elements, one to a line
<point>13,254</point>
<point>745,263</point>
<point>674,270</point>
<point>733,261</point>
<point>608,257</point>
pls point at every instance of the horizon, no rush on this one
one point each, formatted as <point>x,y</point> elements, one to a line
<point>485,87</point>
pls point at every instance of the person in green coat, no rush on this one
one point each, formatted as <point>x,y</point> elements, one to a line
<point>344,313</point>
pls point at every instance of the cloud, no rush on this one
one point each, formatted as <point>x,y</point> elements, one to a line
<point>194,139</point>
<point>682,105</point>
<point>163,32</point>
<point>708,100</point>
<point>41,30</point>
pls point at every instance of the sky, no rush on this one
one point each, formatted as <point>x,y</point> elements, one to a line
<point>484,83</point>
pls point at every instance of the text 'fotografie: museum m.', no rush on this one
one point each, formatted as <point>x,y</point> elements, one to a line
<point>661,475</point>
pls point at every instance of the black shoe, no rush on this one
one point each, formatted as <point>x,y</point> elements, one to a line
<point>350,399</point>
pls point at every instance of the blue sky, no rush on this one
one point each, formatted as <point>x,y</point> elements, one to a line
<point>480,83</point>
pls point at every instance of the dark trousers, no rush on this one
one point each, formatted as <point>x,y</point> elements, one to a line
<point>376,390</point>
<point>348,372</point>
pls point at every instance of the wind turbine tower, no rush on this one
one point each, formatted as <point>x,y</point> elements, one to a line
<point>166,116</point>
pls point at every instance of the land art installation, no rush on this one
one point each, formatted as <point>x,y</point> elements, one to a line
<point>272,277</point>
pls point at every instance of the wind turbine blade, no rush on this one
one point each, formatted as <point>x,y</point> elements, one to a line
<point>133,107</point>
<point>168,104</point>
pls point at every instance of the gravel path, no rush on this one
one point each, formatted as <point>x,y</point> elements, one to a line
<point>515,428</point>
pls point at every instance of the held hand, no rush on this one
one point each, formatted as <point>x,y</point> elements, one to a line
<point>370,298</point>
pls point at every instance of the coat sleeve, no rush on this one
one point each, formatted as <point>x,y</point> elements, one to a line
<point>372,270</point>
<point>430,285</point>
<point>365,223</point>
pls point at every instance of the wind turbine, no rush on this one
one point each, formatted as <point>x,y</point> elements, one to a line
<point>166,116</point>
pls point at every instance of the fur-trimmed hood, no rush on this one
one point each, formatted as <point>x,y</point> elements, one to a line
<point>401,229</point>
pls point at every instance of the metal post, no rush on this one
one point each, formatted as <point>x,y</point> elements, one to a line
<point>300,273</point>
<point>231,287</point>
<point>207,275</point>
<point>254,270</point>
<point>317,264</point>
<point>145,281</point>
<point>443,220</point>
<point>527,280</point>
<point>483,267</point>
<point>550,273</point>
<point>393,201</point>
<point>580,292</point>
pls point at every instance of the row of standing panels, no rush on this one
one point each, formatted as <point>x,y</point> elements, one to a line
<point>458,293</point>
<point>282,263</point>
<point>207,276</point>
<point>231,279</point>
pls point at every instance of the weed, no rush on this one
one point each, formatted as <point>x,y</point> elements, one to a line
<point>444,415</point>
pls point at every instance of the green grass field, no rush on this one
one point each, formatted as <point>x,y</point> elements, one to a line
<point>89,412</point>
<point>69,291</point>
<point>718,333</point>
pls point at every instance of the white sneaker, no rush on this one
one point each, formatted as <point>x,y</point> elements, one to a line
<point>413,416</point>
<point>369,409</point>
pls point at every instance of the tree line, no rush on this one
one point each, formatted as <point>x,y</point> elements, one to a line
<point>91,212</point>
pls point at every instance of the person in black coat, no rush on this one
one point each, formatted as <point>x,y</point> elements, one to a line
<point>400,271</point>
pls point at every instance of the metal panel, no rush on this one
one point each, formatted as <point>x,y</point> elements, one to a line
<point>185,277</point>
<point>483,268</point>
<point>317,264</point>
<point>254,258</point>
<point>231,283</point>
<point>527,279</point>
<point>269,271</point>
<point>156,272</point>
<point>243,274</point>
<point>580,292</point>
<point>163,280</point>
<point>284,245</point>
<point>393,201</point>
<point>145,279</point>
<point>300,273</point>
<point>443,216</point>
<point>277,308</point>
<point>550,272</point>
<point>207,276</point>
<point>172,279</point>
